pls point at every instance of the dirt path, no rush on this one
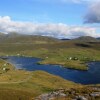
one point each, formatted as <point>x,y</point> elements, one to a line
<point>22,81</point>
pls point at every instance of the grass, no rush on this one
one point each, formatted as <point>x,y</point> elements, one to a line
<point>26,85</point>
<point>61,57</point>
<point>6,65</point>
<point>40,82</point>
<point>14,94</point>
<point>56,53</point>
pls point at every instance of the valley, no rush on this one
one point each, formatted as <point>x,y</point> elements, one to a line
<point>28,85</point>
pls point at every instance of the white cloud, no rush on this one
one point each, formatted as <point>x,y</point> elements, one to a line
<point>80,1</point>
<point>93,14</point>
<point>55,30</point>
<point>67,1</point>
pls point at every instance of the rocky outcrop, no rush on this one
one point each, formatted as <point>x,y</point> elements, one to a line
<point>90,93</point>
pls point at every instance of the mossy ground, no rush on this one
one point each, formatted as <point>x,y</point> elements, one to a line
<point>56,53</point>
<point>30,84</point>
<point>25,85</point>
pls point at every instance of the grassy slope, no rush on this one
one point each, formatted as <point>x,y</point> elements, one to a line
<point>57,53</point>
<point>17,38</point>
<point>27,85</point>
<point>24,85</point>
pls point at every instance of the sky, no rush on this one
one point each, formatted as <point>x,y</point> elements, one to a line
<point>56,18</point>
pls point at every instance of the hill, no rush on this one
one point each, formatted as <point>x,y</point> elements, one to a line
<point>24,85</point>
<point>86,39</point>
<point>53,51</point>
<point>20,38</point>
<point>14,37</point>
<point>98,38</point>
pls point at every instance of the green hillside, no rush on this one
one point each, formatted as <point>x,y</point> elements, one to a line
<point>86,39</point>
<point>25,85</point>
<point>70,53</point>
<point>21,38</point>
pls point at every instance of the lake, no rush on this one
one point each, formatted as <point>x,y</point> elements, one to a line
<point>92,76</point>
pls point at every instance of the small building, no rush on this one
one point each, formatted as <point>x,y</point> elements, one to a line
<point>18,54</point>
<point>5,65</point>
<point>4,69</point>
<point>46,57</point>
<point>73,58</point>
<point>70,58</point>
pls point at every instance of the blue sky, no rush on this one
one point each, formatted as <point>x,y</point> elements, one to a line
<point>43,11</point>
<point>65,16</point>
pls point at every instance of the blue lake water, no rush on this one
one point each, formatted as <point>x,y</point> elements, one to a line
<point>92,76</point>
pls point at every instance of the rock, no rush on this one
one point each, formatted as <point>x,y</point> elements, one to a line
<point>81,98</point>
<point>96,89</point>
<point>95,94</point>
<point>62,95</point>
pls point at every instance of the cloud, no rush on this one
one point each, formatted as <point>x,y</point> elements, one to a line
<point>59,30</point>
<point>74,1</point>
<point>66,1</point>
<point>79,1</point>
<point>93,14</point>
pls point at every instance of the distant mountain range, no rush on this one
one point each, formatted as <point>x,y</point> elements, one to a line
<point>98,38</point>
<point>84,39</point>
<point>65,39</point>
<point>20,38</point>
<point>87,39</point>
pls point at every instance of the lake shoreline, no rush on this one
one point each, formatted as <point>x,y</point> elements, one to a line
<point>27,64</point>
<point>62,65</point>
